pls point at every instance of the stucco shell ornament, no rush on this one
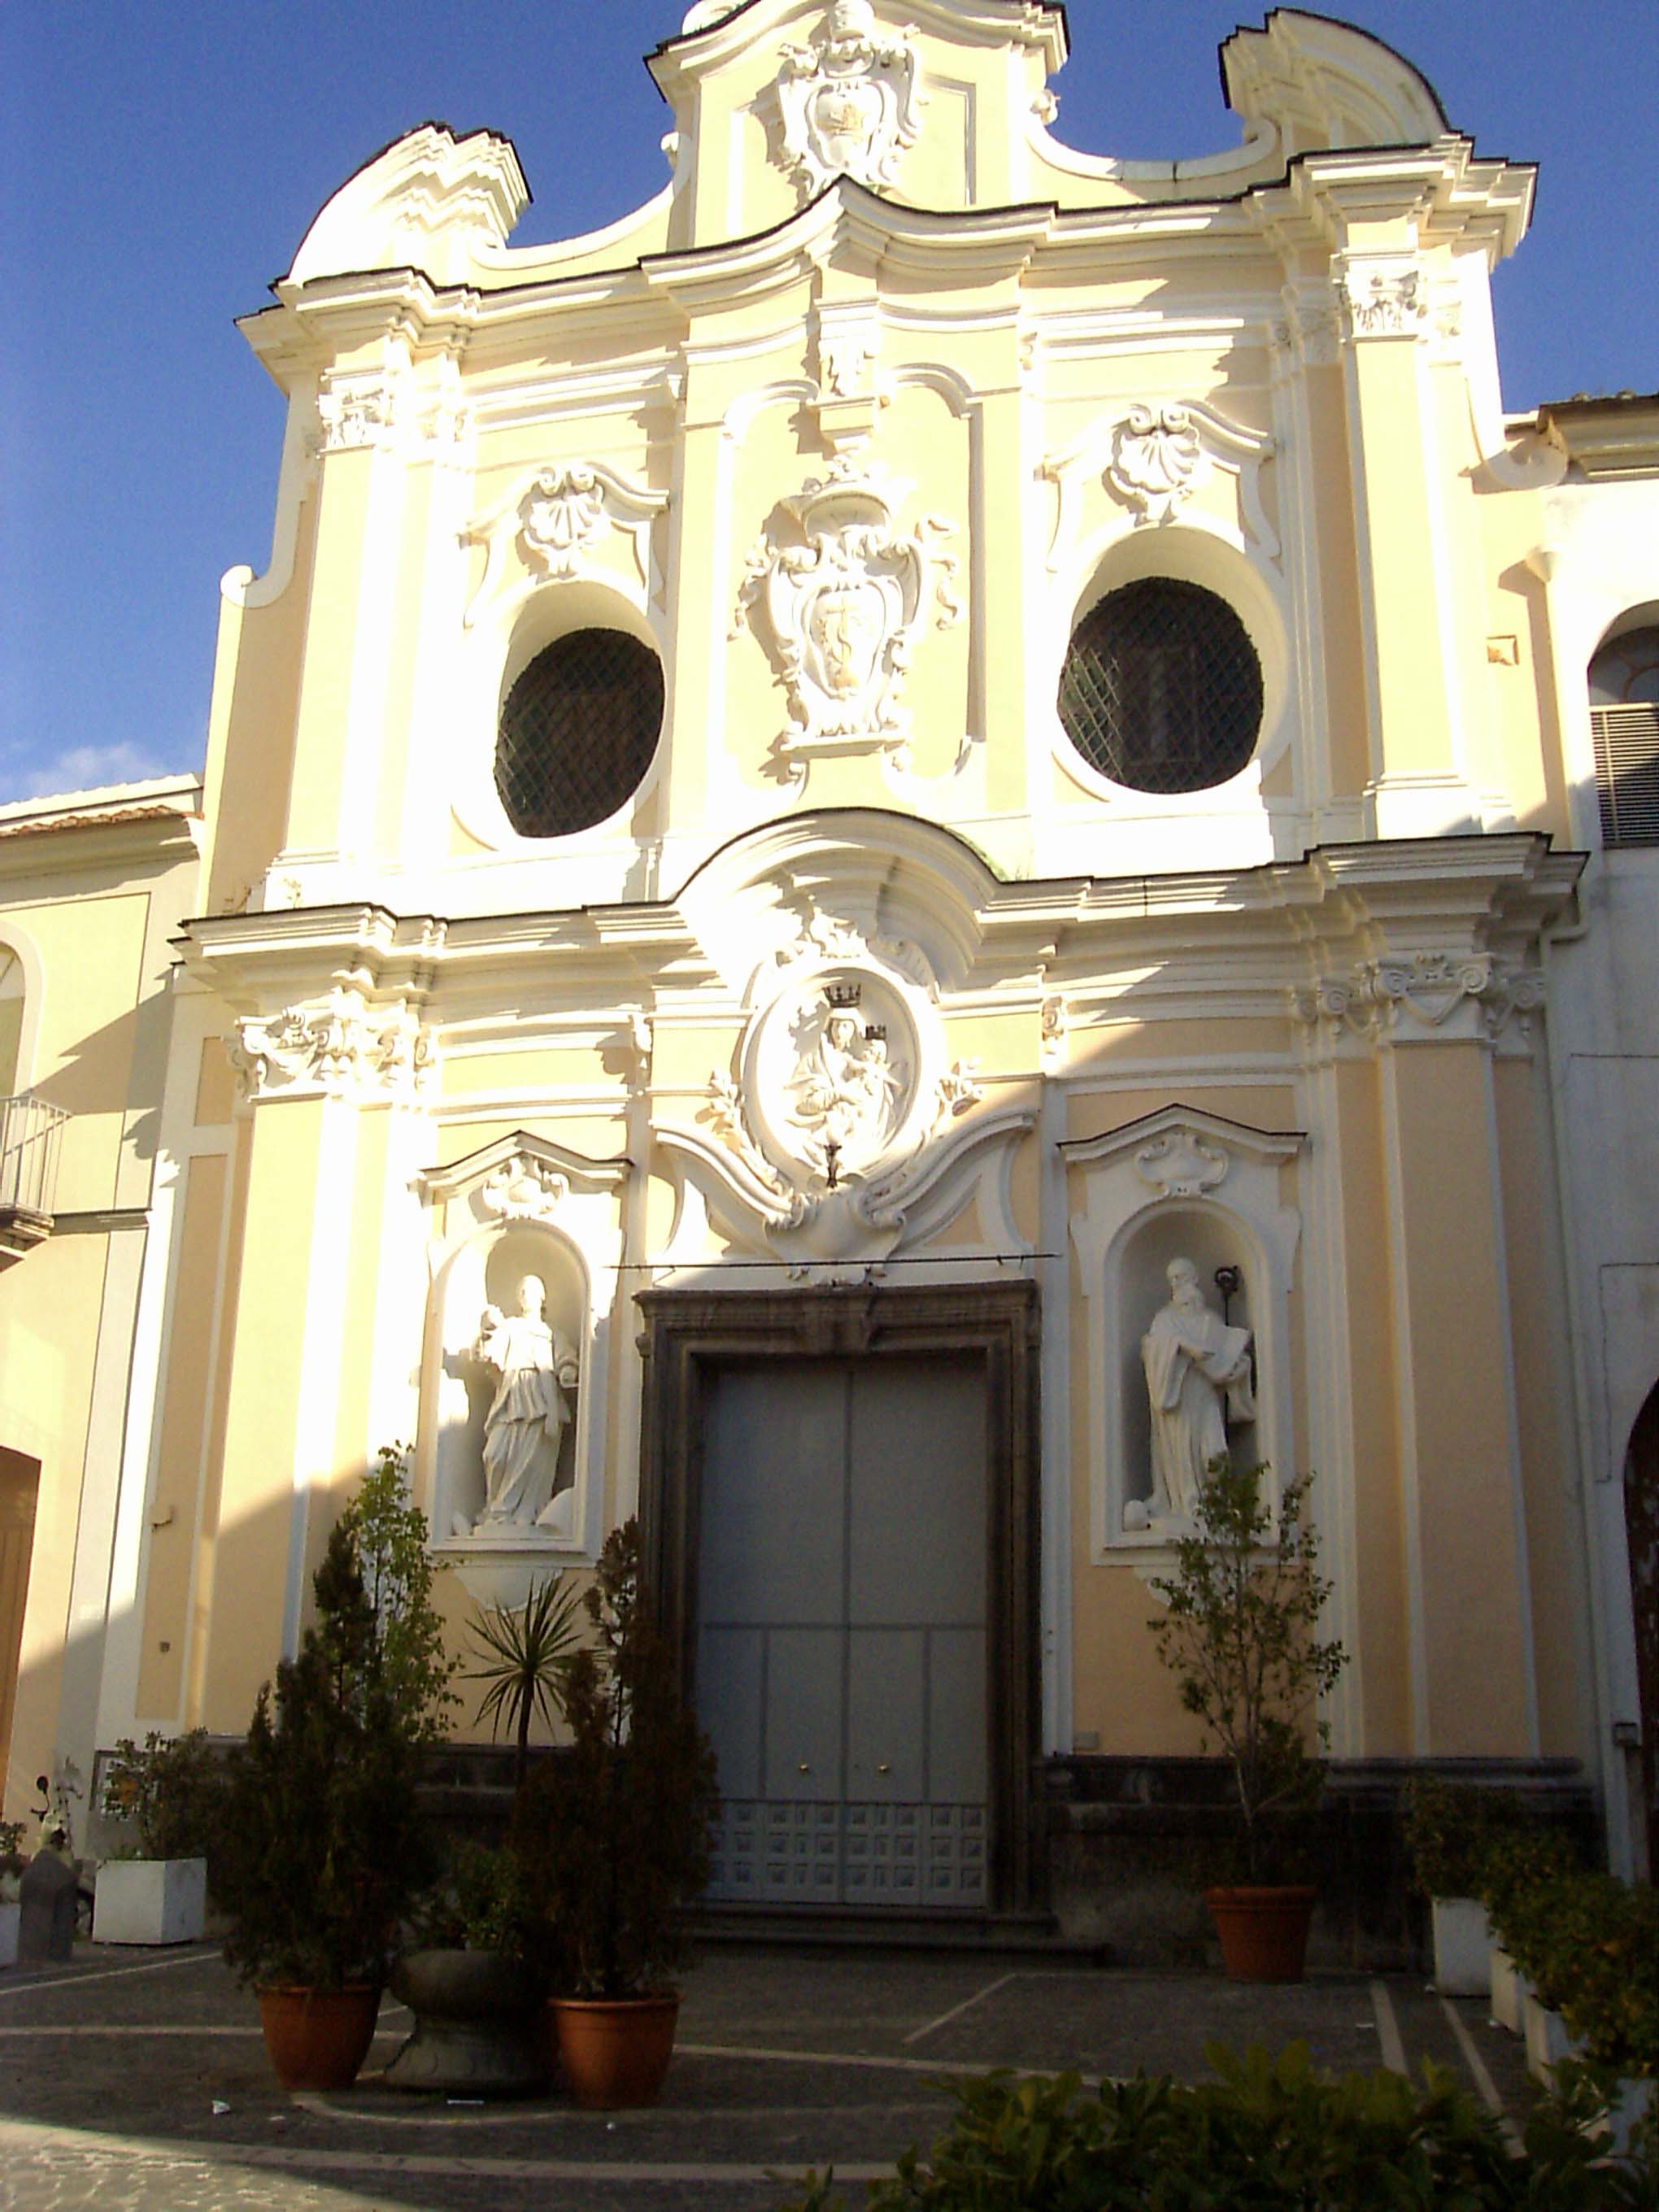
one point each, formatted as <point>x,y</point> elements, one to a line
<point>841,594</point>
<point>848,102</point>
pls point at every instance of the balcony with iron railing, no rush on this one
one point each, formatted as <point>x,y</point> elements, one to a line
<point>30,1133</point>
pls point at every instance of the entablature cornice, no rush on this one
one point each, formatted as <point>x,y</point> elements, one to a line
<point>1439,195</point>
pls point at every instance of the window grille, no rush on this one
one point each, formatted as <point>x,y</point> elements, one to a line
<point>577,731</point>
<point>1161,689</point>
<point>1624,688</point>
<point>1627,771</point>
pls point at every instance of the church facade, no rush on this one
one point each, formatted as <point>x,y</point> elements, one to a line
<point>890,850</point>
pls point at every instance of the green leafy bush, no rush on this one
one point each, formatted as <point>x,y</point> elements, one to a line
<point>13,1861</point>
<point>478,1903</point>
<point>1589,1945</point>
<point>614,1835</point>
<point>1243,1606</point>
<point>1517,1868</point>
<point>1267,2136</point>
<point>524,1655</point>
<point>1451,1827</point>
<point>170,1791</point>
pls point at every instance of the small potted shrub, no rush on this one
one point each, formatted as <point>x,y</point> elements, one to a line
<point>476,1999</point>
<point>12,1863</point>
<point>321,1845</point>
<point>1450,1828</point>
<point>614,1837</point>
<point>1516,1868</point>
<point>1243,1606</point>
<point>165,1794</point>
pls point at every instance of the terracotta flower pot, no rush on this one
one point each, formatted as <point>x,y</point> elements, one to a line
<point>614,2050</point>
<point>319,2038</point>
<point>1264,1932</point>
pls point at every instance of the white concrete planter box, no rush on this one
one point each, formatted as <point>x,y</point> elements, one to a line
<point>150,1901</point>
<point>1462,1940</point>
<point>10,1919</point>
<point>1547,2041</point>
<point>1508,1988</point>
<point>1633,2101</point>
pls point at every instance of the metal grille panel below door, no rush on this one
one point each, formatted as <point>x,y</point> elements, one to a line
<point>841,1665</point>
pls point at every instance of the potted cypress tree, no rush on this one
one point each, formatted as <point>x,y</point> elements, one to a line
<point>321,1845</point>
<point>614,1836</point>
<point>1243,1606</point>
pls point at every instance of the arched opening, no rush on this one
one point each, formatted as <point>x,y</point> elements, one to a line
<point>1623,695</point>
<point>1642,1537</point>
<point>19,1483</point>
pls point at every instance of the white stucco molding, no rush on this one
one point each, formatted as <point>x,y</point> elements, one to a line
<point>1179,1181</point>
<point>343,1046</point>
<point>522,1204</point>
<point>558,518</point>
<point>429,201</point>
<point>1154,454</point>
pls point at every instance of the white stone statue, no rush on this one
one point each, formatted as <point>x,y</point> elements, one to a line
<point>845,1094</point>
<point>1197,1370</point>
<point>525,1423</point>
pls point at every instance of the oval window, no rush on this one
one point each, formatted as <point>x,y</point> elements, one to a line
<point>1162,688</point>
<point>577,731</point>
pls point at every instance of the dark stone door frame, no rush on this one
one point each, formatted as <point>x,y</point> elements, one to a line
<point>689,1334</point>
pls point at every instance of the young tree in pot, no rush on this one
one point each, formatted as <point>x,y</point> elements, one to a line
<point>1244,1606</point>
<point>615,1839</point>
<point>321,1844</point>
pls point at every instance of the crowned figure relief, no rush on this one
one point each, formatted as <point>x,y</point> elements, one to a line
<point>846,1095</point>
<point>849,101</point>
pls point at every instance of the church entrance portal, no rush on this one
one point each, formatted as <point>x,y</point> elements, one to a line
<point>839,1503</point>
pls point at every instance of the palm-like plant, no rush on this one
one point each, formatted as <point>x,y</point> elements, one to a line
<point>525,1653</point>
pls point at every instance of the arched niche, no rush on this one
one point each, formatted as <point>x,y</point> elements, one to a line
<point>521,1206</point>
<point>1213,1238</point>
<point>1177,1183</point>
<point>486,1271</point>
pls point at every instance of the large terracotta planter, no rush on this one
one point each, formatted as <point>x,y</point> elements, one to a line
<point>319,2038</point>
<point>477,2024</point>
<point>614,2050</point>
<point>1264,1932</point>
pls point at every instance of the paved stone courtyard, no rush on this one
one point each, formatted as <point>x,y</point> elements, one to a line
<point>111,2068</point>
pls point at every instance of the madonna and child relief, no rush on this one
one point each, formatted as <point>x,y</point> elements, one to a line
<point>846,1096</point>
<point>1198,1375</point>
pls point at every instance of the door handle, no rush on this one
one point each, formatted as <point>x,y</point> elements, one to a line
<point>805,1768</point>
<point>883,1768</point>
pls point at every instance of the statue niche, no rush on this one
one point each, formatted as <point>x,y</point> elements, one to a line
<point>512,1368</point>
<point>1187,1367</point>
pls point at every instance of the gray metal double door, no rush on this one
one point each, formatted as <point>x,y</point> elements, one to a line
<point>842,1629</point>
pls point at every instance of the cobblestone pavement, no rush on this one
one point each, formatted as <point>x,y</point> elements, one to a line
<point>111,2068</point>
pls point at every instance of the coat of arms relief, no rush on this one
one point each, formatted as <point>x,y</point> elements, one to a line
<point>842,594</point>
<point>848,102</point>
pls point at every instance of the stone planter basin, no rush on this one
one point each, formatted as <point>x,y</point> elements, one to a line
<point>11,1914</point>
<point>1462,1940</point>
<point>1547,2041</point>
<point>477,2024</point>
<point>150,1901</point>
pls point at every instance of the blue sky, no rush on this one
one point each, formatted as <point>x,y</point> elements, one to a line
<point>165,157</point>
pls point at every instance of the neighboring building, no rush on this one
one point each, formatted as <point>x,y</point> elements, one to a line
<point>838,774</point>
